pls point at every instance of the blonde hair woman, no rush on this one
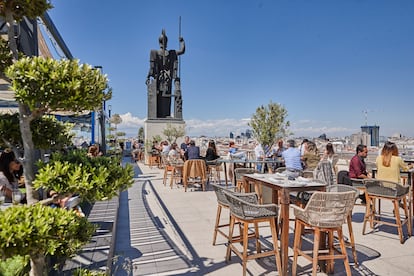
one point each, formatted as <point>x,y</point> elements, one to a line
<point>389,163</point>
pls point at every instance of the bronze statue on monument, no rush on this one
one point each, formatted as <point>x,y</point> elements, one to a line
<point>164,70</point>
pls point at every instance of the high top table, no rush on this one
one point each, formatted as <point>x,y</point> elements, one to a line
<point>281,189</point>
<point>245,162</point>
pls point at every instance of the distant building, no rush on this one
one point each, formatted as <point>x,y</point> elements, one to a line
<point>373,131</point>
<point>231,135</point>
<point>362,138</point>
<point>248,133</point>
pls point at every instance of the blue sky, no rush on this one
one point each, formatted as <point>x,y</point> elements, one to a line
<point>325,61</point>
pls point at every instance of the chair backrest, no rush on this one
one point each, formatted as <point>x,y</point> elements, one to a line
<point>195,168</point>
<point>280,169</point>
<point>245,206</point>
<point>339,188</point>
<point>327,209</point>
<point>324,172</point>
<point>240,171</point>
<point>221,197</point>
<point>385,188</point>
<point>164,160</point>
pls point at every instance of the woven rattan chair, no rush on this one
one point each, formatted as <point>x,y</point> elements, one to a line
<point>239,176</point>
<point>247,213</point>
<point>325,212</point>
<point>387,190</point>
<point>280,170</point>
<point>324,172</point>
<point>360,185</point>
<point>168,168</point>
<point>346,188</point>
<point>222,202</point>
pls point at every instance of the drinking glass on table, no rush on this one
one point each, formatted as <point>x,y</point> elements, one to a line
<point>2,197</point>
<point>16,196</point>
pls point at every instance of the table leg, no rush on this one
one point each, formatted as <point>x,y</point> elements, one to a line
<point>284,236</point>
<point>225,174</point>
<point>172,178</point>
<point>410,181</point>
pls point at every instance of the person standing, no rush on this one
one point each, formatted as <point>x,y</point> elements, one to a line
<point>232,152</point>
<point>184,146</point>
<point>277,155</point>
<point>330,155</point>
<point>259,155</point>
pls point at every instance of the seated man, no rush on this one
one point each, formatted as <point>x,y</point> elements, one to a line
<point>193,151</point>
<point>357,167</point>
<point>292,160</point>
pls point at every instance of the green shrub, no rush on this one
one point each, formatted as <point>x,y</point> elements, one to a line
<point>86,272</point>
<point>15,266</point>
<point>97,178</point>
<point>38,231</point>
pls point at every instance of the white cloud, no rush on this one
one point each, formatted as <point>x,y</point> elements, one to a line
<point>223,127</point>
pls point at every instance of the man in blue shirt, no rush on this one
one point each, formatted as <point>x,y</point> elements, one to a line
<point>292,160</point>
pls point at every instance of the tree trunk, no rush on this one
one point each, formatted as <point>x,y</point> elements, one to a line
<point>24,120</point>
<point>37,264</point>
<point>28,146</point>
<point>12,42</point>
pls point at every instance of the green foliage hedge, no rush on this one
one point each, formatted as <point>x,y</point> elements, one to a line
<point>98,178</point>
<point>30,230</point>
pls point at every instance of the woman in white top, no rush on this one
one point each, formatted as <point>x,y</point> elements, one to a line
<point>330,155</point>
<point>8,181</point>
<point>174,154</point>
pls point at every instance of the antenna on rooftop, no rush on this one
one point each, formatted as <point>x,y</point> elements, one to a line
<point>366,115</point>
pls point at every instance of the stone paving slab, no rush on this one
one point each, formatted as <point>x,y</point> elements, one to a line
<point>164,231</point>
<point>188,219</point>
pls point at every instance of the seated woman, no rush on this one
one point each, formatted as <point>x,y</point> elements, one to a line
<point>211,153</point>
<point>174,155</point>
<point>389,163</point>
<point>311,156</point>
<point>9,165</point>
<point>93,151</point>
<point>330,156</point>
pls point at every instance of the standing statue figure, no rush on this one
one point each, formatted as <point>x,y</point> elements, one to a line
<point>164,70</point>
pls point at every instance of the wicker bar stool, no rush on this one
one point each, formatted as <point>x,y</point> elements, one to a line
<point>222,202</point>
<point>360,185</point>
<point>213,171</point>
<point>325,212</point>
<point>347,188</point>
<point>387,190</point>
<point>247,213</point>
<point>239,176</point>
